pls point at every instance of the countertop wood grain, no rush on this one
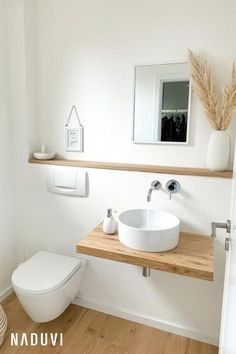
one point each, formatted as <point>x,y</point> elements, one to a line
<point>193,256</point>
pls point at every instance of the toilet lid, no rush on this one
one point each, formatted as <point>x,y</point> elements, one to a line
<point>44,272</point>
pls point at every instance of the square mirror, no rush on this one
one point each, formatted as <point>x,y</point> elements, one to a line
<point>161,104</point>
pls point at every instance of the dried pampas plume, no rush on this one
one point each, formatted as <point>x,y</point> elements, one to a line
<point>204,89</point>
<point>229,101</point>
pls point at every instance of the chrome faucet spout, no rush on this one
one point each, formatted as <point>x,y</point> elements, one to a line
<point>149,195</point>
<point>155,185</point>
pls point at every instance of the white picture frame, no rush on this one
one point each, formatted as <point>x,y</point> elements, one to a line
<point>74,139</point>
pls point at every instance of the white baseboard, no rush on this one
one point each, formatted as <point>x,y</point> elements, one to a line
<point>5,293</point>
<point>148,320</point>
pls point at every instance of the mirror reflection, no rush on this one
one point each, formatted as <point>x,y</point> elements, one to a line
<point>162,104</point>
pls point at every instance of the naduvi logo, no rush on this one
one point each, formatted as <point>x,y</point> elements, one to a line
<point>34,339</point>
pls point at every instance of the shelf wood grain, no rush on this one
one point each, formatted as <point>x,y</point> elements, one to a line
<point>188,171</point>
<point>193,257</point>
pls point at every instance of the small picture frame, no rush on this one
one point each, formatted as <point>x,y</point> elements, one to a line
<point>74,139</point>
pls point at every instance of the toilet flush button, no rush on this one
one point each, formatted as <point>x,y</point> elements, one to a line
<point>67,180</point>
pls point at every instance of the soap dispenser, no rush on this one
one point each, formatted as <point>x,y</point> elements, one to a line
<point>109,224</point>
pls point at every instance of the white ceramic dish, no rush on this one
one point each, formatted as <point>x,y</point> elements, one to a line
<point>44,155</point>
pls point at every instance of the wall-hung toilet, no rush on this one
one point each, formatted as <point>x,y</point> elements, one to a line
<point>47,283</point>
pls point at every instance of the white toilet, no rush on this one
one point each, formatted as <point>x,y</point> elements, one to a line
<point>47,283</point>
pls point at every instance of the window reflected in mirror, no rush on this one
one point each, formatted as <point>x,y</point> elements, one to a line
<point>174,111</point>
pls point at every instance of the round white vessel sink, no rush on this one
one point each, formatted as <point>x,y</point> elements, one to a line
<point>149,230</point>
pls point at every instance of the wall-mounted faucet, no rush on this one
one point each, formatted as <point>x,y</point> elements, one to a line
<point>172,186</point>
<point>155,185</point>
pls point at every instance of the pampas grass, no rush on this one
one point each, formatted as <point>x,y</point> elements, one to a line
<point>229,101</point>
<point>219,112</point>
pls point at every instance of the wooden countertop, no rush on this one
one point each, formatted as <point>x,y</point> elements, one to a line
<point>193,257</point>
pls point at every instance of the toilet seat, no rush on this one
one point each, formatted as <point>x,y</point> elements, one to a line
<point>44,273</point>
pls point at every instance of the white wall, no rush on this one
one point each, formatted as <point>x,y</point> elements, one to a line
<point>57,223</point>
<point>83,53</point>
<point>7,243</point>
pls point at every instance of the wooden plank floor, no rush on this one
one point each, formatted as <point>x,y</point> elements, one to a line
<point>91,332</point>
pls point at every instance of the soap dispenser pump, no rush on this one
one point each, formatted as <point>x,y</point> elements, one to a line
<point>109,224</point>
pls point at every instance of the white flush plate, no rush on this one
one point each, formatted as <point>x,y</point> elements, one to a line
<point>67,180</point>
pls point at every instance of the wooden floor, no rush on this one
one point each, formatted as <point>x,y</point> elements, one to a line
<point>91,332</point>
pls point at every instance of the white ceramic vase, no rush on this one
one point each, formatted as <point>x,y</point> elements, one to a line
<point>218,151</point>
<point>3,324</point>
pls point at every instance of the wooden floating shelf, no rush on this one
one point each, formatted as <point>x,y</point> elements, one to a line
<point>188,171</point>
<point>193,257</point>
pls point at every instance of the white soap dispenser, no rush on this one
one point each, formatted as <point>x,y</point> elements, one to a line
<point>109,224</point>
